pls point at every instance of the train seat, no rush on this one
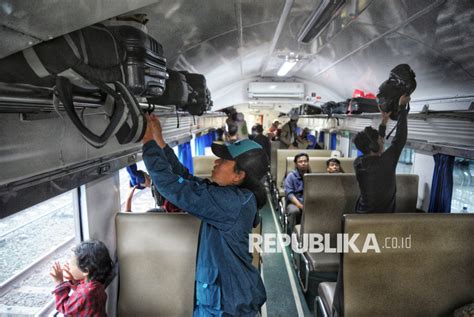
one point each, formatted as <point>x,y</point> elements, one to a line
<point>283,154</point>
<point>318,164</point>
<point>431,275</point>
<point>327,198</point>
<point>203,165</point>
<point>157,259</point>
<point>274,145</point>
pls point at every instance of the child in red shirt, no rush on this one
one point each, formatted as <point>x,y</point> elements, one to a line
<point>85,273</point>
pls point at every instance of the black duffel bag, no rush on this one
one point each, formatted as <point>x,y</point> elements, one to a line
<point>199,99</point>
<point>176,93</point>
<point>91,59</point>
<point>332,107</point>
<point>363,105</point>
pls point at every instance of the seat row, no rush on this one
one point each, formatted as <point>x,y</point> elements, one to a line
<point>157,261</point>
<point>432,275</point>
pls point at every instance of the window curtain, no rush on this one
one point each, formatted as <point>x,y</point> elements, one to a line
<point>210,137</point>
<point>203,141</point>
<point>333,142</point>
<point>312,139</point>
<point>185,156</point>
<point>321,139</point>
<point>200,145</point>
<point>442,184</point>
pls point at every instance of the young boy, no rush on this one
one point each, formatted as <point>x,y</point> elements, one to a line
<point>86,271</point>
<point>333,165</point>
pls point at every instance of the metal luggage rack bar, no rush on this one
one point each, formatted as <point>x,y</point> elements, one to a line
<point>456,114</point>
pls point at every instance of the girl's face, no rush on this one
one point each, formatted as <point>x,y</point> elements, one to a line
<point>76,272</point>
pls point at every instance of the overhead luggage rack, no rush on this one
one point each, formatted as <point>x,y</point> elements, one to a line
<point>457,115</point>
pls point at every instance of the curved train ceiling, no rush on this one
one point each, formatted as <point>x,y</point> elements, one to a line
<point>233,42</point>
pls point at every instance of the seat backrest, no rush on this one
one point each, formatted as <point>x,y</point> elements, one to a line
<point>432,275</point>
<point>326,198</point>
<point>203,165</point>
<point>318,164</point>
<point>407,192</point>
<point>157,260</point>
<point>282,155</point>
<point>274,145</point>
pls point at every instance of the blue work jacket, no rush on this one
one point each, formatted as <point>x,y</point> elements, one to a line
<point>226,281</point>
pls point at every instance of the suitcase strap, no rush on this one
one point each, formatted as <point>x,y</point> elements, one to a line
<point>117,119</point>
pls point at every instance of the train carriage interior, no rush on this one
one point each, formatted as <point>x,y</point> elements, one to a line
<point>77,77</point>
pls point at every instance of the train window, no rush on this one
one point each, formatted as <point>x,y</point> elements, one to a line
<point>405,162</point>
<point>142,199</point>
<point>463,186</point>
<point>353,152</point>
<point>30,241</point>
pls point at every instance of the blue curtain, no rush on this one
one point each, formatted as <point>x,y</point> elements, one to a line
<point>203,141</point>
<point>321,139</point>
<point>200,144</point>
<point>333,142</point>
<point>312,139</point>
<point>210,137</point>
<point>185,156</point>
<point>442,184</point>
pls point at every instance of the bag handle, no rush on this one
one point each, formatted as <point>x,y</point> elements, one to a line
<point>127,134</point>
<point>119,115</point>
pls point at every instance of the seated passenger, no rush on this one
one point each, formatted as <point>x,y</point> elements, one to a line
<point>333,165</point>
<point>86,273</point>
<point>226,281</point>
<point>303,141</point>
<point>294,190</point>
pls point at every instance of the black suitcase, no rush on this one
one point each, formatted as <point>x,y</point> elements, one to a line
<point>200,97</point>
<point>145,64</point>
<point>176,92</point>
<point>306,109</point>
<point>363,105</point>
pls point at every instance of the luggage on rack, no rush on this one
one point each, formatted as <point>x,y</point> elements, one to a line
<point>363,105</point>
<point>332,107</point>
<point>87,61</point>
<point>176,92</point>
<point>145,64</point>
<point>200,97</point>
<point>306,109</point>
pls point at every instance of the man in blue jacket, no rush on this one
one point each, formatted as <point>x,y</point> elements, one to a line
<point>227,284</point>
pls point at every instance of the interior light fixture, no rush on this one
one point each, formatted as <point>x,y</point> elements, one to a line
<point>287,66</point>
<point>319,20</point>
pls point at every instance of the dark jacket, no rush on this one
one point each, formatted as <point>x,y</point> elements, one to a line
<point>226,281</point>
<point>376,174</point>
<point>265,143</point>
